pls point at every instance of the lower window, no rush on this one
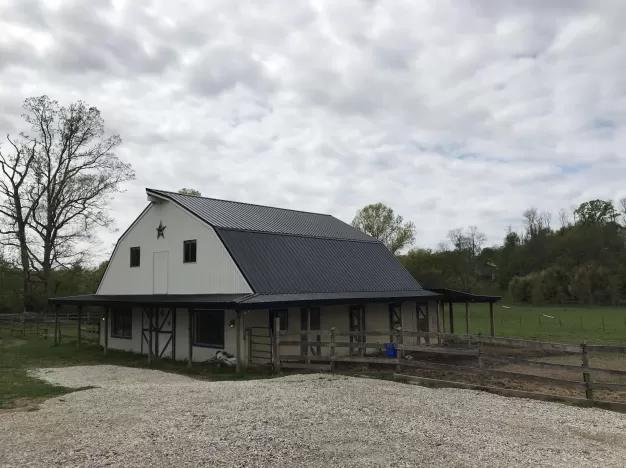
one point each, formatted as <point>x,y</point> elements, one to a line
<point>282,316</point>
<point>122,323</point>
<point>209,328</point>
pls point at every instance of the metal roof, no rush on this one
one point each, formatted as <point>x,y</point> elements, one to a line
<point>161,300</point>
<point>243,216</point>
<point>279,264</point>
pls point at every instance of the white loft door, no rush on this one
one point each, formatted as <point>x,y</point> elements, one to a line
<point>159,276</point>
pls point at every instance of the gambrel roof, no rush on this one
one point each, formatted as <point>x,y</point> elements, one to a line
<point>287,252</point>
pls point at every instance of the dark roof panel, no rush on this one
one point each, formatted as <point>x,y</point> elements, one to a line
<point>278,264</point>
<point>243,216</point>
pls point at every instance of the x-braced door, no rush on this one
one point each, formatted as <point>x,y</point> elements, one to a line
<point>158,331</point>
<point>395,319</point>
<point>310,320</point>
<point>357,324</point>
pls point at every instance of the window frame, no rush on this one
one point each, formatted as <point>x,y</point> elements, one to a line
<point>115,317</point>
<point>206,312</point>
<point>138,250</point>
<point>284,324</point>
<point>194,243</point>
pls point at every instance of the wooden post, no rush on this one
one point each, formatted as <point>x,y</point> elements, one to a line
<point>174,334</point>
<point>481,365</point>
<point>80,309</point>
<point>586,374</point>
<point>443,317</point>
<point>156,312</point>
<point>276,339</point>
<point>493,329</point>
<point>150,319</point>
<point>362,330</point>
<point>249,332</point>
<point>308,335</point>
<point>332,349</point>
<point>440,323</point>
<point>106,330</point>
<point>467,319</point>
<point>451,317</point>
<point>400,352</point>
<point>238,339</point>
<point>56,324</point>
<point>190,318</point>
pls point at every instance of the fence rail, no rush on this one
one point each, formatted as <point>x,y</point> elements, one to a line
<point>467,346</point>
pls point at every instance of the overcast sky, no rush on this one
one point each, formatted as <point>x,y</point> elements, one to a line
<point>453,112</point>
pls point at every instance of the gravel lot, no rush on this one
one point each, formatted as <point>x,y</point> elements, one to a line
<point>148,418</point>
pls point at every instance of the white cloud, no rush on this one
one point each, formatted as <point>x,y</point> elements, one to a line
<point>454,113</point>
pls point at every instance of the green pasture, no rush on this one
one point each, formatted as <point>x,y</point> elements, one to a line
<point>568,324</point>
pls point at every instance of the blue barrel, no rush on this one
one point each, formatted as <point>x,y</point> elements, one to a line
<point>390,349</point>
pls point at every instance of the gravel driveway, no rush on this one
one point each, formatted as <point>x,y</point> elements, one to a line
<point>148,418</point>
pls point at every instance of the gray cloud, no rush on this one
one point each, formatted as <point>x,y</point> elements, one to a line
<point>454,113</point>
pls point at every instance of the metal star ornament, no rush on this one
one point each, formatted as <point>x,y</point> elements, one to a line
<point>161,230</point>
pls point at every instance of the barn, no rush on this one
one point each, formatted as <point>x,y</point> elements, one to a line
<point>192,276</point>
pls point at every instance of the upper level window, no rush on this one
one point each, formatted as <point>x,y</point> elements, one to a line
<point>135,256</point>
<point>189,251</point>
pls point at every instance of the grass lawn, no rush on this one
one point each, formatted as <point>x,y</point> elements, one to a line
<point>568,324</point>
<point>17,355</point>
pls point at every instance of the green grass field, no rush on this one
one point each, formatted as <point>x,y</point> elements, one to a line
<point>569,324</point>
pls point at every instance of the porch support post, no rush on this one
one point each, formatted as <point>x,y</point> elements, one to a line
<point>80,309</point>
<point>106,331</point>
<point>362,349</point>
<point>308,335</point>
<point>238,339</point>
<point>56,324</point>
<point>440,324</point>
<point>451,317</point>
<point>190,355</point>
<point>493,329</point>
<point>150,320</point>
<point>174,334</point>
<point>156,312</point>
<point>467,318</point>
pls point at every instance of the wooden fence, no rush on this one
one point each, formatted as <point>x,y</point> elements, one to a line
<point>470,349</point>
<point>44,325</point>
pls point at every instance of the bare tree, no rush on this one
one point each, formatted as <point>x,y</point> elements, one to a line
<point>71,174</point>
<point>536,222</point>
<point>465,260</point>
<point>17,204</point>
<point>564,218</point>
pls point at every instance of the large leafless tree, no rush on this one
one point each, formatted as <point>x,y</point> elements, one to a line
<point>56,184</point>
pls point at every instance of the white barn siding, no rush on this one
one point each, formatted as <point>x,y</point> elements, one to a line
<point>214,271</point>
<point>337,316</point>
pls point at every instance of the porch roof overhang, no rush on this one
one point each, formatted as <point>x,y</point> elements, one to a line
<point>151,300</point>
<point>451,295</point>
<point>242,301</point>
<point>264,301</point>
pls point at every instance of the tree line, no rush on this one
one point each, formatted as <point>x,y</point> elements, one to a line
<point>580,260</point>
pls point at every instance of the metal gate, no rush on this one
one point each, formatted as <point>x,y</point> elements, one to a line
<point>259,346</point>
